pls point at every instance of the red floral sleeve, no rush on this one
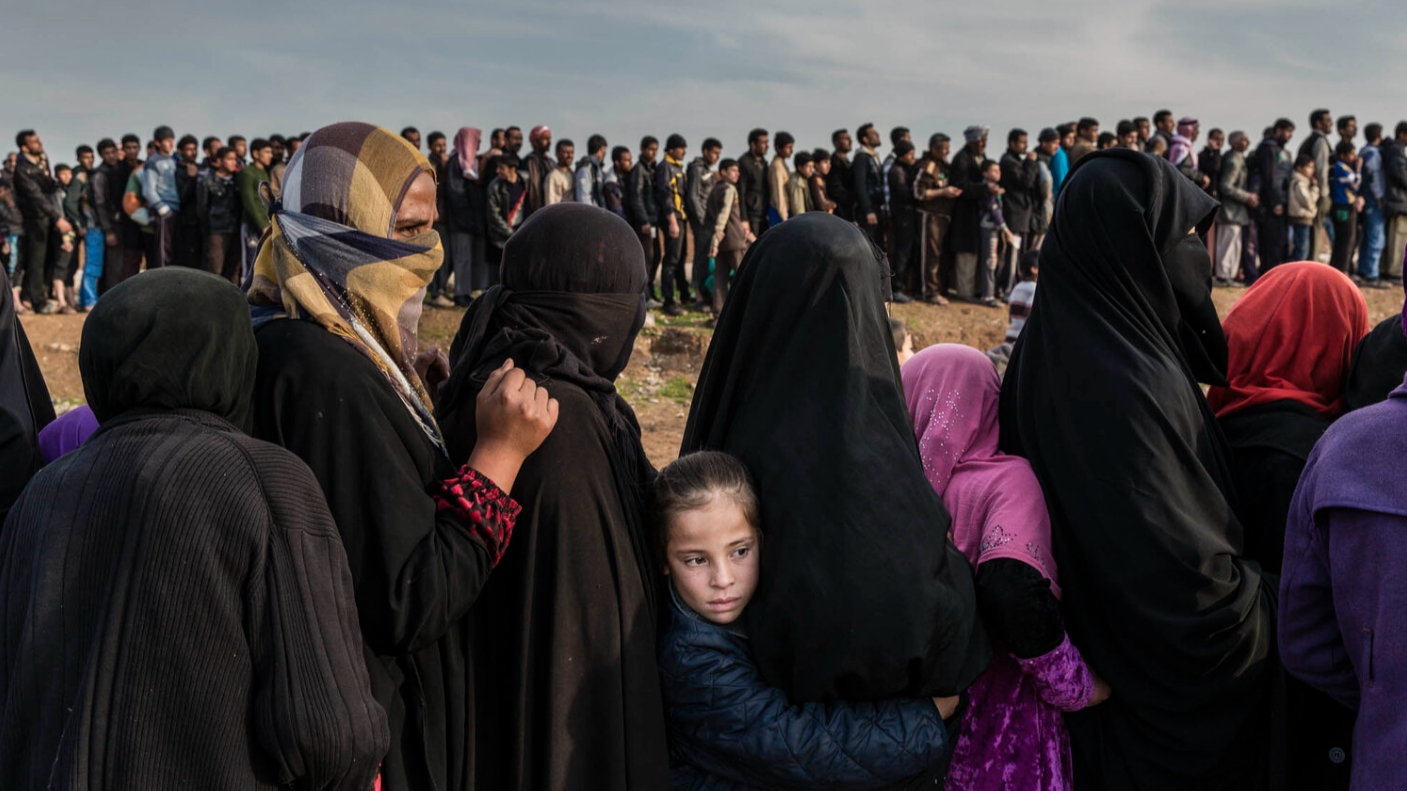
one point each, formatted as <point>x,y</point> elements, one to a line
<point>485,509</point>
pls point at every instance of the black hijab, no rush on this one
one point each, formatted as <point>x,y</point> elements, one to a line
<point>25,408</point>
<point>197,352</point>
<point>1379,363</point>
<point>861,595</point>
<point>566,688</point>
<point>1102,396</point>
<point>569,307</point>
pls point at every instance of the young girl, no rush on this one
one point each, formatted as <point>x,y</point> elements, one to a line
<point>1014,736</point>
<point>727,727</point>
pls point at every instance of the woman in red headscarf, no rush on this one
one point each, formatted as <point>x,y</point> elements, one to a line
<point>1291,341</point>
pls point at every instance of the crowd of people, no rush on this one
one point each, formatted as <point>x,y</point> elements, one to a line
<point>284,546</point>
<point>951,224</point>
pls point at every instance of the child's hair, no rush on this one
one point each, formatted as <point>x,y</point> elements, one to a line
<point>691,481</point>
<point>1030,261</point>
<point>1344,148</point>
<point>1302,160</point>
<point>61,167</point>
<point>898,331</point>
<point>989,164</point>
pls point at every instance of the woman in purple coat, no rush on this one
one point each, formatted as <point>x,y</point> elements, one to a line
<point>1343,623</point>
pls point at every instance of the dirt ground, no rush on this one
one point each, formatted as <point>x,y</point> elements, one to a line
<point>659,383</point>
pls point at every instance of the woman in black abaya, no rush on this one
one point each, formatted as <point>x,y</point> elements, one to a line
<point>1102,396</point>
<point>25,408</point>
<point>861,595</point>
<point>566,692</point>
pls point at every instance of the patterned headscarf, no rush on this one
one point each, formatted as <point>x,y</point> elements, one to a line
<point>329,257</point>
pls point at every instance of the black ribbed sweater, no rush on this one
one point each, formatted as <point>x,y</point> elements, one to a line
<point>178,613</point>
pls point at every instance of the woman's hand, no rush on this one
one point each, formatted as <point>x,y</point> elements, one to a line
<point>946,706</point>
<point>513,416</point>
<point>1101,692</point>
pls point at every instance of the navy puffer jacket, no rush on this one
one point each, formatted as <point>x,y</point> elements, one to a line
<point>729,730</point>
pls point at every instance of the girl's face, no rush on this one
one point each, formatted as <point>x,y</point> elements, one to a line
<point>712,557</point>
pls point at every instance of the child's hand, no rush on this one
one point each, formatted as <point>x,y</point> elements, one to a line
<point>946,706</point>
<point>1101,692</point>
<point>513,416</point>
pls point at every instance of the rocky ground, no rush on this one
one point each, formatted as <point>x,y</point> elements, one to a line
<point>659,383</point>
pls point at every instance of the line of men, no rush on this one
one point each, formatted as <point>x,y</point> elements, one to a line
<point>952,224</point>
<point>114,212</point>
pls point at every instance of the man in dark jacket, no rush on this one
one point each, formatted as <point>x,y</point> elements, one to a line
<point>670,186</point>
<point>935,203</point>
<point>903,213</point>
<point>840,180</point>
<point>188,239</point>
<point>1209,161</point>
<point>539,165</point>
<point>867,184</point>
<point>1394,153</point>
<point>1271,173</point>
<point>134,242</point>
<point>965,231</point>
<point>641,212</point>
<point>1020,171</point>
<point>700,184</point>
<point>34,187</point>
<point>752,180</point>
<point>218,208</point>
<point>107,217</point>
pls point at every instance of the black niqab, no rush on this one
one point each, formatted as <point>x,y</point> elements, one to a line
<point>197,352</point>
<point>1102,397</point>
<point>25,408</point>
<point>861,594</point>
<point>566,690</point>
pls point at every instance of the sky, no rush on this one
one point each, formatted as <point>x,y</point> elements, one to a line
<point>78,71</point>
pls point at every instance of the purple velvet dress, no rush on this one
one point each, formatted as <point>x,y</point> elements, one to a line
<point>1014,734</point>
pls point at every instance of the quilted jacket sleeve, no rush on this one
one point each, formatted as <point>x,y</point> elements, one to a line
<point>726,721</point>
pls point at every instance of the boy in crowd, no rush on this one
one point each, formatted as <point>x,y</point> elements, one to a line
<point>219,208</point>
<point>1304,197</point>
<point>1345,203</point>
<point>903,340</point>
<point>558,186</point>
<point>821,170</point>
<point>1019,303</point>
<point>994,231</point>
<point>728,232</point>
<point>799,185</point>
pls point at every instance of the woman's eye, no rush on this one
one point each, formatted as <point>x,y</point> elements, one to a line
<point>693,561</point>
<point>741,552</point>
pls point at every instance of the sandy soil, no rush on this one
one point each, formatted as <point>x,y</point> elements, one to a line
<point>659,383</point>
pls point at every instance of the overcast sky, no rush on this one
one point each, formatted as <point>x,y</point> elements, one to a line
<point>77,71</point>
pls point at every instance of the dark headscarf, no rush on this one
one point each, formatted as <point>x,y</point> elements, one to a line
<point>1379,363</point>
<point>197,352</point>
<point>861,594</point>
<point>569,307</point>
<point>566,686</point>
<point>1102,396</point>
<point>25,408</point>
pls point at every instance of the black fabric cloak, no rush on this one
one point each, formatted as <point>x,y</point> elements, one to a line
<point>177,610</point>
<point>861,595</point>
<point>1270,445</point>
<point>417,570</point>
<point>1379,364</point>
<point>1102,396</point>
<point>566,690</point>
<point>25,408</point>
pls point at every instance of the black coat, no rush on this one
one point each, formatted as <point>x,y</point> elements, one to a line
<point>1019,175</point>
<point>416,570</point>
<point>839,187</point>
<point>34,190</point>
<point>25,408</point>
<point>639,195</point>
<point>1379,364</point>
<point>1209,162</point>
<point>965,232</point>
<point>753,190</point>
<point>1140,486</point>
<point>867,184</point>
<point>1395,174</point>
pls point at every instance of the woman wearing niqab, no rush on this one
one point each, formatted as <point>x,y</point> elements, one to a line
<point>861,595</point>
<point>1102,397</point>
<point>177,609</point>
<point>566,689</point>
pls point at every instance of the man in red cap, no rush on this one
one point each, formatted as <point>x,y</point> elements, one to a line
<point>540,165</point>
